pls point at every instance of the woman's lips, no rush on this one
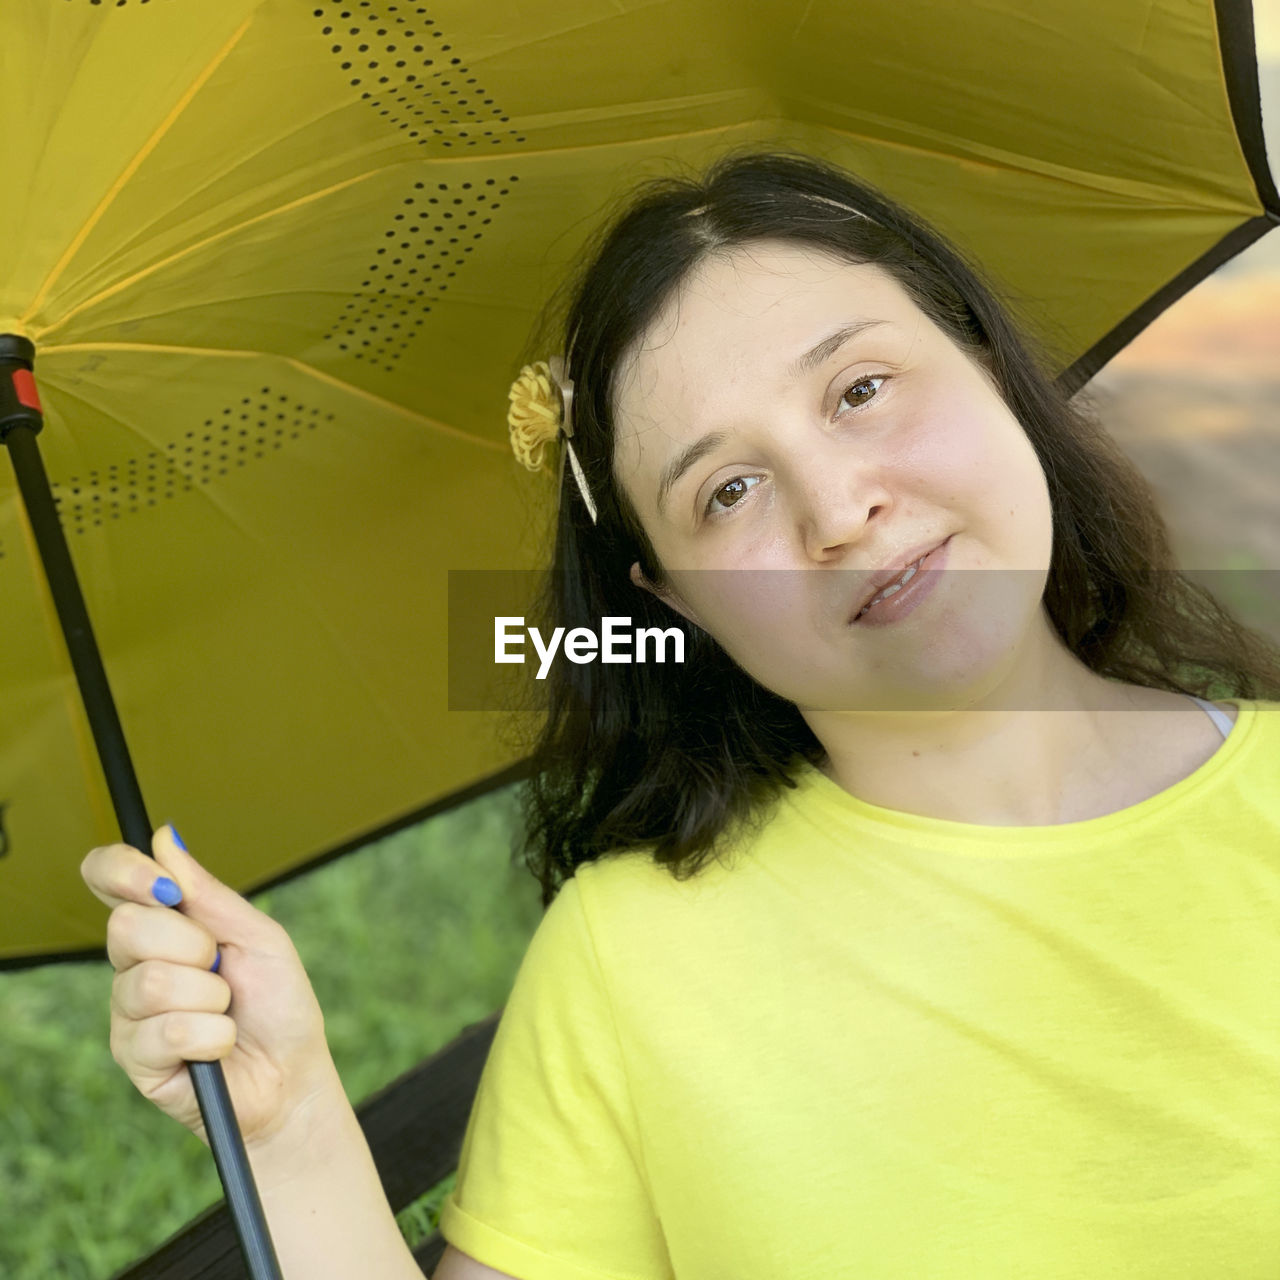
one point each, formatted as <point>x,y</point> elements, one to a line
<point>907,598</point>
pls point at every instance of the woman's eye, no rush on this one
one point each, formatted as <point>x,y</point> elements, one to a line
<point>858,393</point>
<point>730,493</point>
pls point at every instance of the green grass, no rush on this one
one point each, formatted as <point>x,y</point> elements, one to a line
<point>406,941</point>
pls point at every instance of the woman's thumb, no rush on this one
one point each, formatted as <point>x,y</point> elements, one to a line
<point>227,915</point>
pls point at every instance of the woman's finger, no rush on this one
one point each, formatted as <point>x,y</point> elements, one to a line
<point>226,913</point>
<point>136,933</point>
<point>117,873</point>
<point>151,1050</point>
<point>153,987</point>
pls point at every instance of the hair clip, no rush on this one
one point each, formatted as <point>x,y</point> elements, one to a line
<point>560,374</point>
<point>835,204</point>
<point>541,411</point>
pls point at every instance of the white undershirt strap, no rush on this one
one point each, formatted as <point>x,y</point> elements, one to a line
<point>1216,714</point>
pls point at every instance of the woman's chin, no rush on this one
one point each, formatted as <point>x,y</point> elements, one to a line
<point>961,665</point>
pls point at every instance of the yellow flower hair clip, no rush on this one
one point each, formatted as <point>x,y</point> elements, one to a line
<point>541,411</point>
<point>535,415</point>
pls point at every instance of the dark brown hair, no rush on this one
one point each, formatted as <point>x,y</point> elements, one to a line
<point>679,758</point>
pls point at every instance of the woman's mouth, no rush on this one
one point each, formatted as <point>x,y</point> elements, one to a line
<point>901,596</point>
<point>893,587</point>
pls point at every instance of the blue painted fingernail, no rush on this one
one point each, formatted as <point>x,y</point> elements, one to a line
<point>177,839</point>
<point>217,963</point>
<point>166,891</point>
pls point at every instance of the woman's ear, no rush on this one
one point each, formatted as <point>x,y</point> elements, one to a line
<point>665,594</point>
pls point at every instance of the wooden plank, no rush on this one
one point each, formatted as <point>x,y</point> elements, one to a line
<point>414,1128</point>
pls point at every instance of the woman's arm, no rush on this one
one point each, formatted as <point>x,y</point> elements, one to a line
<point>325,1206</point>
<point>328,1216</point>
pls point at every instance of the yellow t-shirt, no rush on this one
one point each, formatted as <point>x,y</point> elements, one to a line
<point>879,1046</point>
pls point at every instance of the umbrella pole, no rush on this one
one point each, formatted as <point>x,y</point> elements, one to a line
<point>20,421</point>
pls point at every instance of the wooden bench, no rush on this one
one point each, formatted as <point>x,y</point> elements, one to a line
<point>414,1127</point>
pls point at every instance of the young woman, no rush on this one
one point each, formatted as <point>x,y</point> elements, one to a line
<point>923,922</point>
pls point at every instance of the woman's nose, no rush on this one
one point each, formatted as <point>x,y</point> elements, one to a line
<point>837,504</point>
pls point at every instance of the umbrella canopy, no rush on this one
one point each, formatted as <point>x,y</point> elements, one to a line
<point>280,262</point>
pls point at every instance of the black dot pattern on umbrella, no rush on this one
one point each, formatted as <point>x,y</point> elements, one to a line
<point>113,4</point>
<point>256,428</point>
<point>406,71</point>
<point>428,240</point>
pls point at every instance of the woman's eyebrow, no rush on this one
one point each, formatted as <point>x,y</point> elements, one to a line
<point>831,343</point>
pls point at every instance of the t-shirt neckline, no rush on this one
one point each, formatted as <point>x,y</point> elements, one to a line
<point>815,787</point>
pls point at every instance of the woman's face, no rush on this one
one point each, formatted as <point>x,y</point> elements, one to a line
<point>792,424</point>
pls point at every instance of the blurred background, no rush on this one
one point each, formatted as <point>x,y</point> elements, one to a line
<point>414,937</point>
<point>1195,401</point>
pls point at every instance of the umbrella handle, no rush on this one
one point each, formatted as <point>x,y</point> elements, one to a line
<point>21,418</point>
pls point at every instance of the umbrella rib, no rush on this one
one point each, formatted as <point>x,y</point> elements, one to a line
<point>131,168</point>
<point>301,366</point>
<point>948,145</point>
<point>70,397</point>
<point>200,245</point>
<point>991,159</point>
<point>143,229</point>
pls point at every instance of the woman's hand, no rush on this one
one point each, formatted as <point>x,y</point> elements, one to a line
<point>257,1013</point>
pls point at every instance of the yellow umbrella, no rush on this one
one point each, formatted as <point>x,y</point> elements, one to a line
<point>279,262</point>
